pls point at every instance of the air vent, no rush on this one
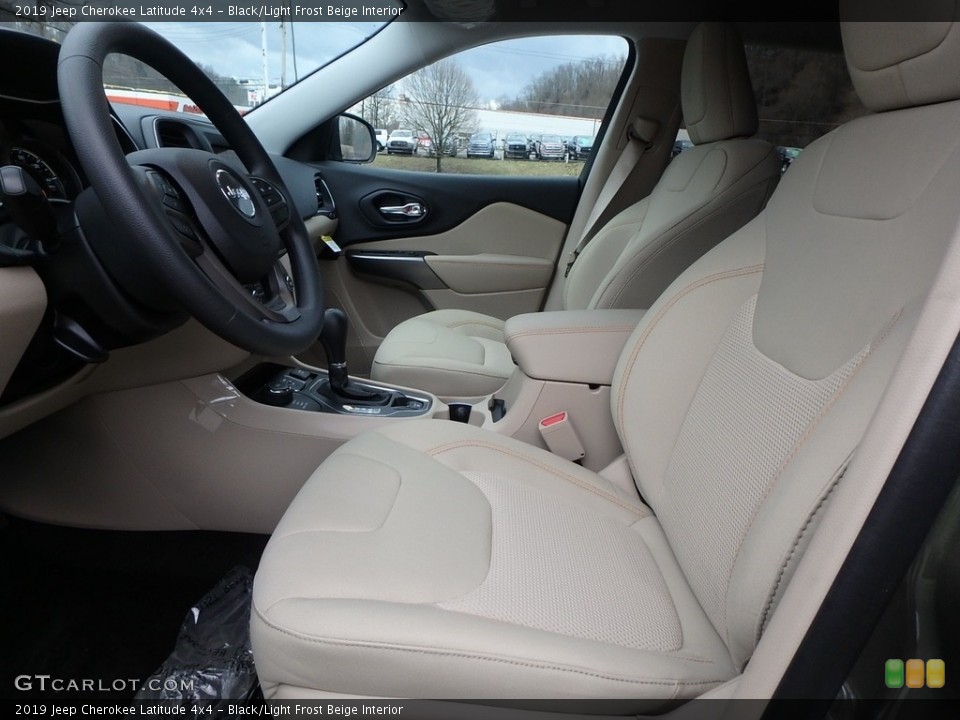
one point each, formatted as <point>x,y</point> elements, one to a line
<point>174,134</point>
<point>325,205</point>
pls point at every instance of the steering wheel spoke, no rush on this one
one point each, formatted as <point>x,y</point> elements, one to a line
<point>269,299</point>
<point>176,210</point>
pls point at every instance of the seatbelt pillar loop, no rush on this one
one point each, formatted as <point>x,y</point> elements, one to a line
<point>640,136</point>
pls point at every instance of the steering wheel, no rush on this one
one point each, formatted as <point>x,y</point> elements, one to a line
<point>212,229</point>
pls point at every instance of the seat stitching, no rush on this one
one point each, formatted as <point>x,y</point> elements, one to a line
<point>446,652</point>
<point>455,371</point>
<point>632,359</point>
<point>565,330</point>
<point>440,449</point>
<point>462,323</point>
<point>764,616</point>
<point>800,443</point>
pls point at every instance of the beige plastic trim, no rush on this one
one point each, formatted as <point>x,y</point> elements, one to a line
<point>318,226</point>
<point>529,401</point>
<point>23,301</point>
<point>188,351</point>
<point>106,461</point>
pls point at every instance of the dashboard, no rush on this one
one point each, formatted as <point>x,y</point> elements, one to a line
<point>35,139</point>
<point>86,295</point>
<point>47,165</point>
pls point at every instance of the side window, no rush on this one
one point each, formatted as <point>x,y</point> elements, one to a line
<point>801,93</point>
<point>531,106</point>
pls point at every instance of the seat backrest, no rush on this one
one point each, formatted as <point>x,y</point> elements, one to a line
<point>742,396</point>
<point>705,194</point>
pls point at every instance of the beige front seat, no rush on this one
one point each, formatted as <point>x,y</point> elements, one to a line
<point>705,194</point>
<point>434,559</point>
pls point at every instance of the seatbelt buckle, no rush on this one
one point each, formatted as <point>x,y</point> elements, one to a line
<point>561,439</point>
<point>574,254</point>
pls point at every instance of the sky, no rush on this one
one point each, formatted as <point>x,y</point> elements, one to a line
<point>502,70</point>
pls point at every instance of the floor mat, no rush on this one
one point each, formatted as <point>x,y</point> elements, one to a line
<point>100,605</point>
<point>212,658</point>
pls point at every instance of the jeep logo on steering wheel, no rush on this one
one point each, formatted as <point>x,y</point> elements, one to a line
<point>237,195</point>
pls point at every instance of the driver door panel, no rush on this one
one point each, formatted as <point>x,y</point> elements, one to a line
<point>483,243</point>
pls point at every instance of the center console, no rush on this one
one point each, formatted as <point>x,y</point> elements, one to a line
<point>333,391</point>
<point>314,391</point>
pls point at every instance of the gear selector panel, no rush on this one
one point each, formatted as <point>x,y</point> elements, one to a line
<point>310,391</point>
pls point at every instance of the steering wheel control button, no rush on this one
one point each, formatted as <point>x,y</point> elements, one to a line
<point>236,194</point>
<point>274,201</point>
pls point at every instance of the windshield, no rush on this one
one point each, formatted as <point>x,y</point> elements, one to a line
<point>250,62</point>
<point>550,138</point>
<point>403,133</point>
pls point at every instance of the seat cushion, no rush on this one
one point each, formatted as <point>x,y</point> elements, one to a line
<point>433,559</point>
<point>451,353</point>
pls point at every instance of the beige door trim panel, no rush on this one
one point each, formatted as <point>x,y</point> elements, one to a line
<point>491,272</point>
<point>501,228</point>
<point>521,236</point>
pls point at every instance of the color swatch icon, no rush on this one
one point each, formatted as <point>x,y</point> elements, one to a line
<point>914,673</point>
<point>936,673</point>
<point>893,673</point>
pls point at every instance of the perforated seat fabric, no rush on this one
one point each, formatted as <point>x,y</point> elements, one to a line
<point>705,194</point>
<point>440,560</point>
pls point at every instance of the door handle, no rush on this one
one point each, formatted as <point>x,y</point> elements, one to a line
<point>410,210</point>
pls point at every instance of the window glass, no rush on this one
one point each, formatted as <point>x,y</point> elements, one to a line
<point>249,61</point>
<point>801,94</point>
<point>530,106</point>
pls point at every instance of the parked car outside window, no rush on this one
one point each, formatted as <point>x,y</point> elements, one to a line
<point>481,145</point>
<point>402,141</point>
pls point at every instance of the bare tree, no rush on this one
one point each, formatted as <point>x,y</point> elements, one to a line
<point>440,100</point>
<point>379,109</point>
<point>578,89</point>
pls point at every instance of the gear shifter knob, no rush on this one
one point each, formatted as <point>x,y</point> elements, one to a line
<point>333,336</point>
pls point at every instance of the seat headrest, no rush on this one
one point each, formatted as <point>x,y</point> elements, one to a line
<point>902,64</point>
<point>715,89</point>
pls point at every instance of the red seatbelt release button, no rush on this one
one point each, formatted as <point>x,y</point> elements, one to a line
<point>560,437</point>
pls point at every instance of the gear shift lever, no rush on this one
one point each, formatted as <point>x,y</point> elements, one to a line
<point>333,337</point>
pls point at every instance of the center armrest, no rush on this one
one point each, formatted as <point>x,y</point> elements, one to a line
<point>578,346</point>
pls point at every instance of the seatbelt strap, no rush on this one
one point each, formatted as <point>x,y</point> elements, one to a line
<point>640,136</point>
